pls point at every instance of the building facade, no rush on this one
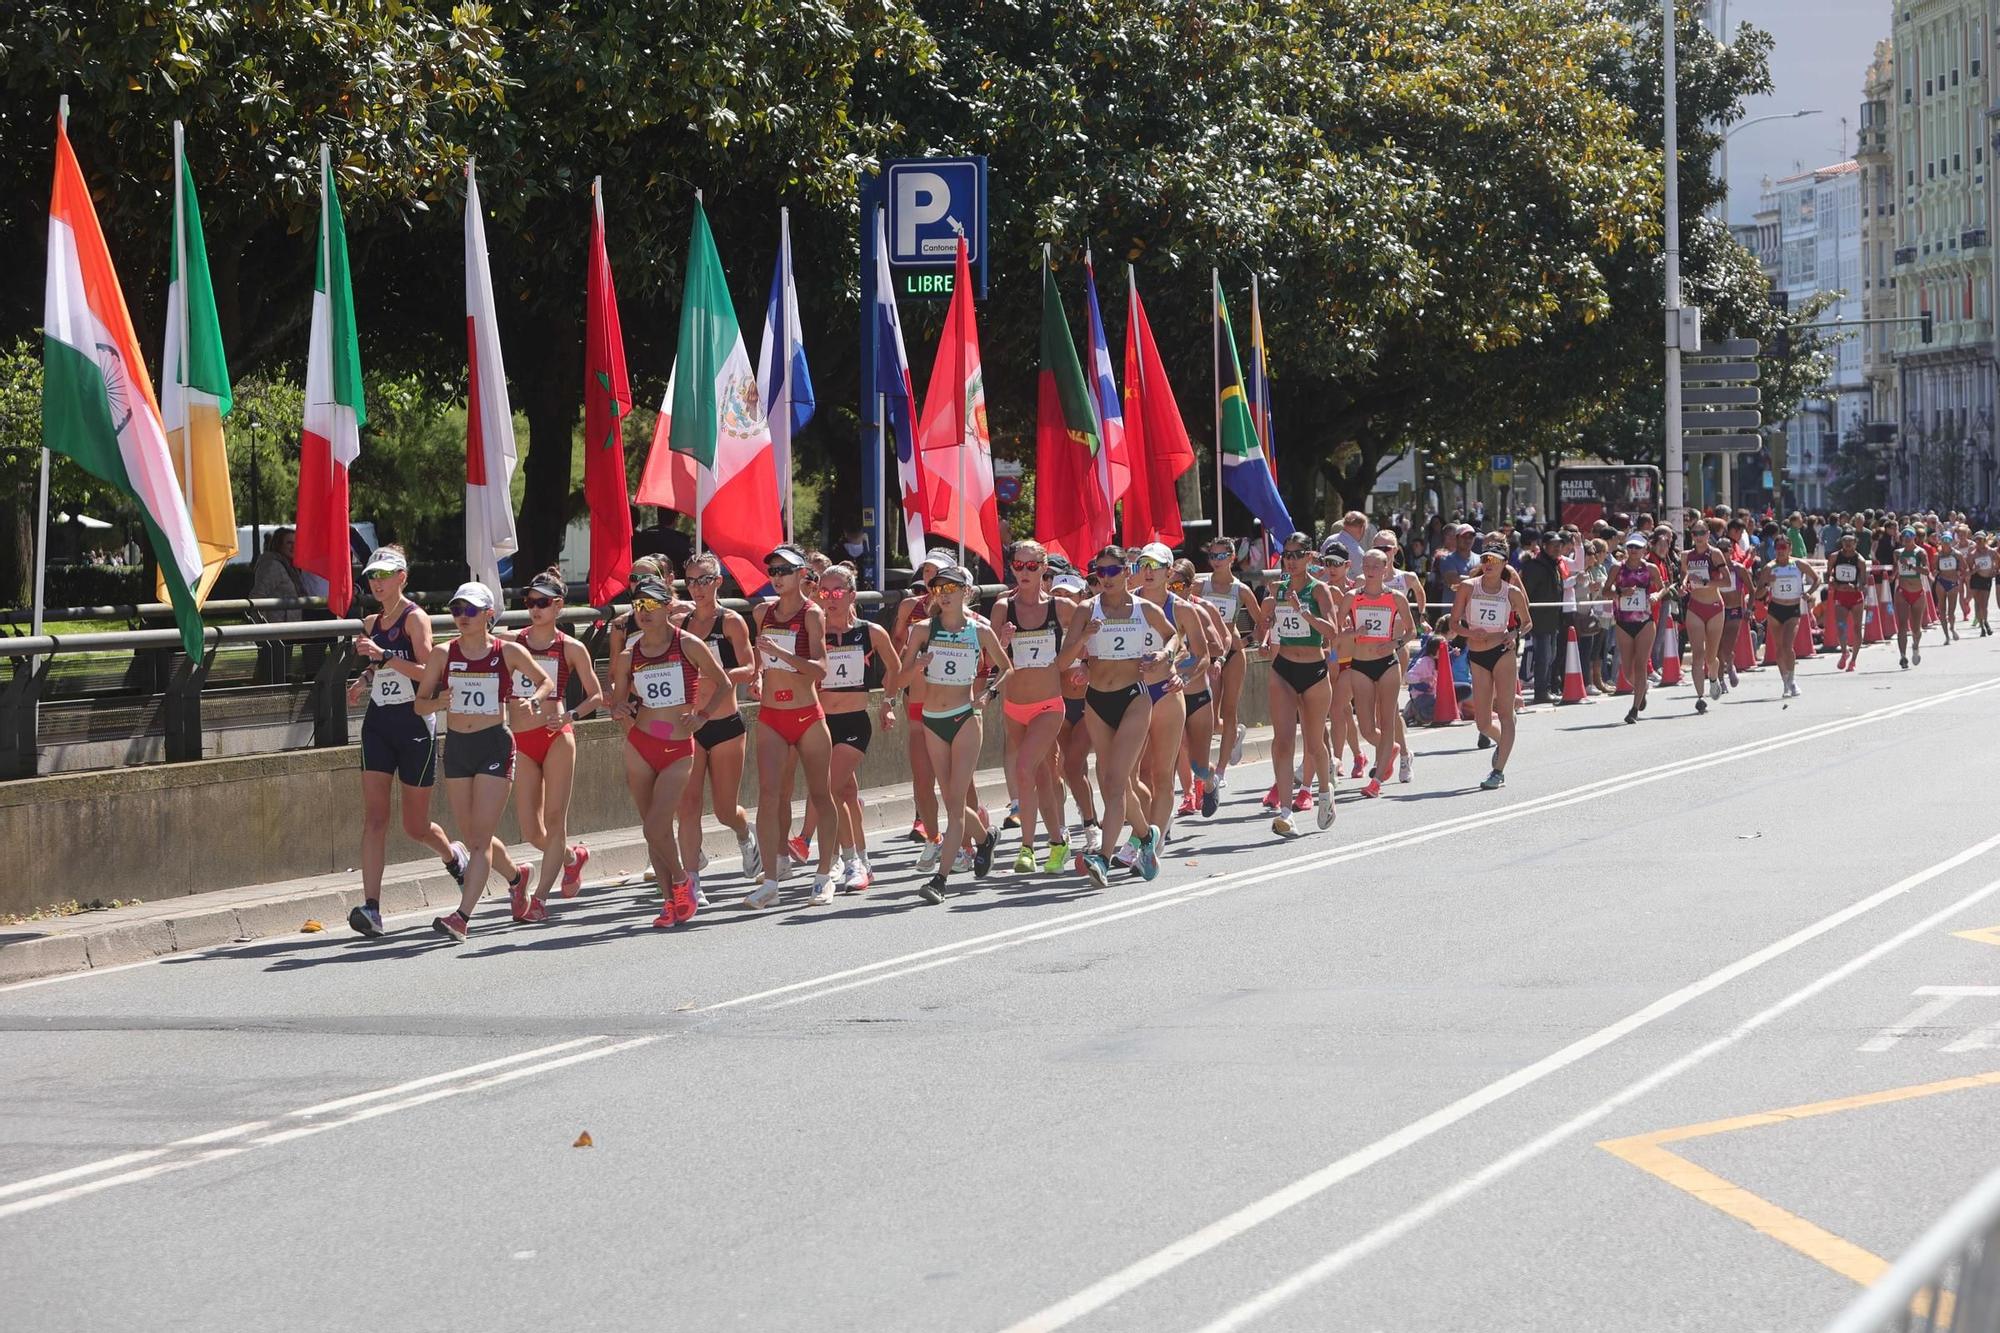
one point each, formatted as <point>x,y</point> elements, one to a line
<point>1879,195</point>
<point>1941,129</point>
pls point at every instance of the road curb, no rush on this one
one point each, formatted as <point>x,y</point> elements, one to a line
<point>145,931</point>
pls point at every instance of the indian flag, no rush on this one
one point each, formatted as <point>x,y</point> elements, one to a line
<point>97,402</point>
<point>717,461</point>
<point>330,440</point>
<point>194,384</point>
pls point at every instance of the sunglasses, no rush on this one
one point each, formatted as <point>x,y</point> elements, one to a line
<point>1221,555</point>
<point>464,610</point>
<point>1147,562</point>
<point>1027,566</point>
<point>1179,585</point>
<point>1108,571</point>
<point>778,571</point>
<point>704,580</point>
<point>647,604</point>
<point>538,603</point>
<point>836,593</point>
<point>1297,554</point>
<point>946,585</point>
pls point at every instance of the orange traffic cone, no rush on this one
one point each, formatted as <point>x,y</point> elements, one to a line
<point>1670,658</point>
<point>1445,711</point>
<point>1746,656</point>
<point>1770,641</point>
<point>1802,643</point>
<point>1572,670</point>
<point>1871,626</point>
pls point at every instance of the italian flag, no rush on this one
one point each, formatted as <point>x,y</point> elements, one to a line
<point>716,462</point>
<point>194,384</point>
<point>97,401</point>
<point>334,414</point>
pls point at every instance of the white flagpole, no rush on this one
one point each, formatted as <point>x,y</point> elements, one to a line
<point>42,504</point>
<point>1254,389</point>
<point>964,430</point>
<point>1215,348</point>
<point>179,313</point>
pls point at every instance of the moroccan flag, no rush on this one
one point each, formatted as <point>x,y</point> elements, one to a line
<point>97,402</point>
<point>489,417</point>
<point>1071,517</point>
<point>1244,471</point>
<point>713,429</point>
<point>194,385</point>
<point>334,413</point>
<point>607,400</point>
<point>955,453</point>
<point>1154,424</point>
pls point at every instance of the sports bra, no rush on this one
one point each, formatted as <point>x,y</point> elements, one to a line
<point>851,664</point>
<point>393,689</point>
<point>1118,638</point>
<point>1374,616</point>
<point>788,634</point>
<point>718,642</point>
<point>662,681</point>
<point>1489,612</point>
<point>1634,601</point>
<point>1294,630</point>
<point>1035,647</point>
<point>479,686</point>
<point>553,660</point>
<point>1153,640</point>
<point>1788,583</point>
<point>1847,569</point>
<point>1226,604</point>
<point>954,654</point>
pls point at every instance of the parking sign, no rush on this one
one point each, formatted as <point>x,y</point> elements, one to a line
<point>929,203</point>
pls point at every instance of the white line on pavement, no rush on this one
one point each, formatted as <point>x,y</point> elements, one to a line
<point>1401,1226</point>
<point>1170,1257</point>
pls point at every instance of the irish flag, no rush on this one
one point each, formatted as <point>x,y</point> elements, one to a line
<point>717,462</point>
<point>97,402</point>
<point>334,414</point>
<point>194,384</point>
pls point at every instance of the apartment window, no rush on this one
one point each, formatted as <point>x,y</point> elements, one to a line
<point>1954,78</point>
<point>1975,67</point>
<point>1930,171</point>
<point>1978,153</point>
<point>1906,96</point>
<point>1955,162</point>
<point>1910,176</point>
<point>1927,87</point>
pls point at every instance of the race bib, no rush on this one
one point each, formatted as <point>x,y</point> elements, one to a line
<point>1117,641</point>
<point>785,639</point>
<point>1292,623</point>
<point>1908,565</point>
<point>1487,614</point>
<point>1224,606</point>
<point>1034,648</point>
<point>1846,574</point>
<point>549,662</point>
<point>392,687</point>
<point>1372,622</point>
<point>1787,585</point>
<point>1635,601</point>
<point>662,685</point>
<point>952,664</point>
<point>1947,564</point>
<point>1984,564</point>
<point>1697,576</point>
<point>846,668</point>
<point>476,693</point>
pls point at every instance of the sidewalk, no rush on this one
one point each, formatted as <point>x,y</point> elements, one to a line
<point>134,934</point>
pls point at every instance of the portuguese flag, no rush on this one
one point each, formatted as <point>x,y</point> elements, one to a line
<point>97,401</point>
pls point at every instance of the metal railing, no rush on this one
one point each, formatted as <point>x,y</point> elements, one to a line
<point>157,690</point>
<point>1949,1279</point>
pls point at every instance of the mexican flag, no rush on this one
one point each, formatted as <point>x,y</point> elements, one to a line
<point>194,385</point>
<point>716,462</point>
<point>334,412</point>
<point>97,401</point>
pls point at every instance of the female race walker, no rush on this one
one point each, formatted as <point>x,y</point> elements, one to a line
<point>918,603</point>
<point>1950,562</point>
<point>1913,576</point>
<point>1489,609</point>
<point>719,747</point>
<point>1109,632</point>
<point>1171,660</point>
<point>860,656</point>
<point>1785,584</point>
<point>1301,620</point>
<point>1197,778</point>
<point>949,648</point>
<point>471,682</point>
<point>1233,601</point>
<point>1029,624</point>
<point>545,742</point>
<point>1704,574</point>
<point>396,743</point>
<point>1847,570</point>
<point>662,686</point>
<point>791,652</point>
<point>1983,560</point>
<point>1378,624</point>
<point>1636,590</point>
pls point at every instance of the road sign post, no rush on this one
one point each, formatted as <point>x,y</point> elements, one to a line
<point>1719,407</point>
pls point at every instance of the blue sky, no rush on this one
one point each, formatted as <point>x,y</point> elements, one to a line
<point>1822,50</point>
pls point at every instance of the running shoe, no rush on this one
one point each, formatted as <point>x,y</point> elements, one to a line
<point>1236,746</point>
<point>1013,819</point>
<point>928,857</point>
<point>1302,799</point>
<point>455,864</point>
<point>1403,765</point>
<point>1092,837</point>
<point>1701,705</point>
<point>1149,857</point>
<point>687,900</point>
<point>1494,781</point>
<point>366,919</point>
<point>517,893</point>
<point>1916,657</point>
<point>1094,867</point>
<point>916,833</point>
<point>1210,793</point>
<point>1282,826</point>
<point>860,876</point>
<point>1128,855</point>
<point>932,889</point>
<point>572,876</point>
<point>763,897</point>
<point>784,865</point>
<point>1852,661</point>
<point>1271,799</point>
<point>963,861</point>
<point>823,891</point>
<point>1221,778</point>
<point>1485,741</point>
<point>1187,802</point>
<point>1360,765</point>
<point>752,858</point>
<point>1024,861</point>
<point>454,925</point>
<point>1904,663</point>
<point>1631,715</point>
<point>1058,858</point>
<point>1326,809</point>
<point>695,894</point>
<point>1373,789</point>
<point>800,849</point>
<point>538,910</point>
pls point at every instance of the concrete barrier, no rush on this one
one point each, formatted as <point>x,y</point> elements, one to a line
<point>163,831</point>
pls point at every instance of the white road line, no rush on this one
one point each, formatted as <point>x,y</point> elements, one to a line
<point>1165,1260</point>
<point>29,1205</point>
<point>1942,999</point>
<point>933,957</point>
<point>1393,1230</point>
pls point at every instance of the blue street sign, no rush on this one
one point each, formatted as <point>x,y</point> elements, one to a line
<point>1503,462</point>
<point>930,202</point>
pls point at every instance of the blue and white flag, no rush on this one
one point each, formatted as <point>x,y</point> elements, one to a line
<point>892,381</point>
<point>783,381</point>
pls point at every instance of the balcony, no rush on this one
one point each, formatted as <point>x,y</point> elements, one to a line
<point>1906,255</point>
<point>1974,239</point>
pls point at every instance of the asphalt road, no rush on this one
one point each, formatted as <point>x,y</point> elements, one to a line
<point>1415,1073</point>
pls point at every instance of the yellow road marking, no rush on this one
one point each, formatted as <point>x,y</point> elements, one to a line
<point>1842,1256</point>
<point>1984,935</point>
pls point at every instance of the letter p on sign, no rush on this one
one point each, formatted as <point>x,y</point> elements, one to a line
<point>922,197</point>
